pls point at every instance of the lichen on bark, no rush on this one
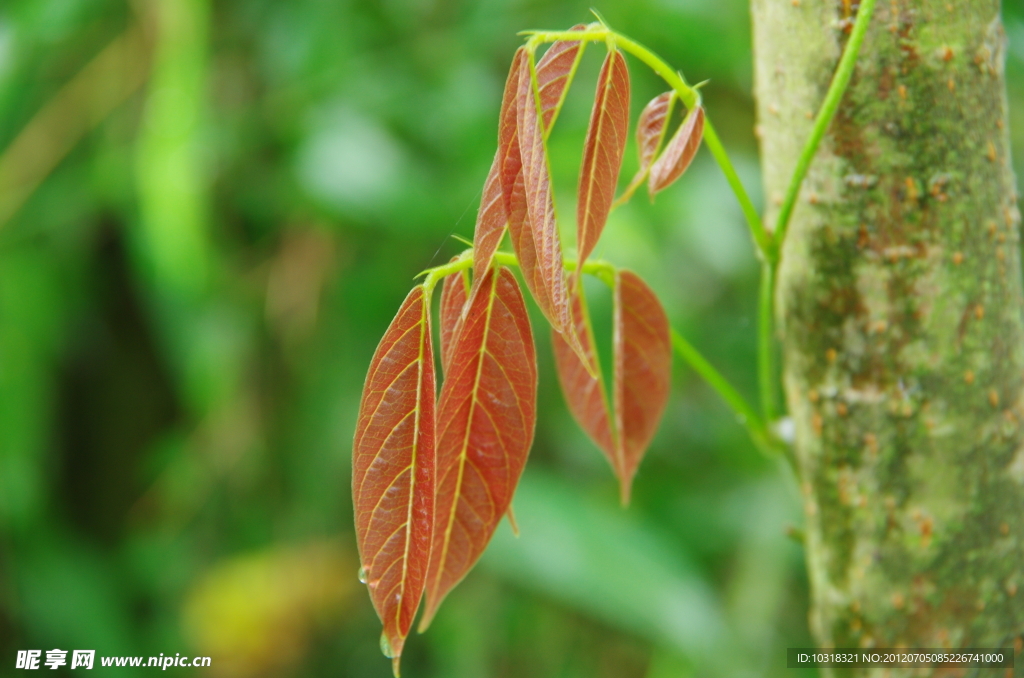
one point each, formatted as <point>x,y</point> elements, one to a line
<point>901,316</point>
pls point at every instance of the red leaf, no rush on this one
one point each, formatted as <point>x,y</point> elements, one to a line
<point>650,131</point>
<point>602,153</point>
<point>485,423</point>
<point>511,163</point>
<point>643,371</point>
<point>490,220</point>
<point>537,246</point>
<point>584,392</point>
<point>454,292</point>
<point>678,153</point>
<point>393,469</point>
<point>554,73</point>
<point>539,250</point>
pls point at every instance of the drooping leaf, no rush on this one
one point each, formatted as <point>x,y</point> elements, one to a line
<point>584,390</point>
<point>536,239</point>
<point>679,152</point>
<point>485,425</point>
<point>602,153</point>
<point>491,220</point>
<point>643,371</point>
<point>454,292</point>
<point>511,163</point>
<point>393,470</point>
<point>554,74</point>
<point>650,131</point>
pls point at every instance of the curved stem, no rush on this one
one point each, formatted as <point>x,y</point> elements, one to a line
<point>745,414</point>
<point>761,237</point>
<point>691,97</point>
<point>844,71</point>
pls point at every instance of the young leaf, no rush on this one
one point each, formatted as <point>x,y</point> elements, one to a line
<point>485,423</point>
<point>643,371</point>
<point>678,153</point>
<point>602,153</point>
<point>511,163</point>
<point>584,392</point>
<point>393,470</point>
<point>554,74</point>
<point>650,131</point>
<point>536,237</point>
<point>490,220</point>
<point>454,292</point>
<point>536,242</point>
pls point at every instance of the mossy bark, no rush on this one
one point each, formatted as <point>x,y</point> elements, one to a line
<point>899,307</point>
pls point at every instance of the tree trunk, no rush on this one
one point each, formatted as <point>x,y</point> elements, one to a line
<point>900,312</point>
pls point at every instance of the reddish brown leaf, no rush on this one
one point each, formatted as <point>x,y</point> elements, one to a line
<point>554,73</point>
<point>490,220</point>
<point>536,255</point>
<point>602,153</point>
<point>485,423</point>
<point>584,392</point>
<point>542,267</point>
<point>643,371</point>
<point>393,469</point>
<point>511,163</point>
<point>679,152</point>
<point>454,292</point>
<point>650,131</point>
<point>499,206</point>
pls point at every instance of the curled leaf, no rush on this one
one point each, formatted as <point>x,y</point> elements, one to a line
<point>602,153</point>
<point>393,469</point>
<point>554,74</point>
<point>642,376</point>
<point>485,425</point>
<point>535,238</point>
<point>679,152</point>
<point>650,131</point>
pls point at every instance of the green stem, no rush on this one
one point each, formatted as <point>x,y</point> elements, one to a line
<point>765,342</point>
<point>755,425</point>
<point>690,97</point>
<point>844,71</point>
<point>757,230</point>
<point>605,271</point>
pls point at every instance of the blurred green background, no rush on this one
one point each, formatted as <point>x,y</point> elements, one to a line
<point>209,213</point>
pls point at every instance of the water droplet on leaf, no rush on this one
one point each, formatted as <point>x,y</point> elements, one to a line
<point>363,575</point>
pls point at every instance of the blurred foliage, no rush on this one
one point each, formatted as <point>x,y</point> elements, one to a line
<point>209,212</point>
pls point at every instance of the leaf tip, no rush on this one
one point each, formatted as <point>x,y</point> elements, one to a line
<point>625,491</point>
<point>510,514</point>
<point>428,616</point>
<point>396,666</point>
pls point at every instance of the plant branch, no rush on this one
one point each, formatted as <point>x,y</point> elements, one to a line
<point>690,97</point>
<point>844,71</point>
<point>759,433</point>
<point>605,271</point>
